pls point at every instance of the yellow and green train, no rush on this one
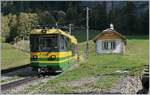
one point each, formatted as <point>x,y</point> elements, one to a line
<point>52,50</point>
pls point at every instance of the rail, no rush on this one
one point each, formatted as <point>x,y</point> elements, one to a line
<point>14,84</point>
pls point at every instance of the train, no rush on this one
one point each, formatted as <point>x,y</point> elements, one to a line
<point>52,50</point>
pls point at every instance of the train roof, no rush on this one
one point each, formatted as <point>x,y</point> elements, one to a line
<point>55,31</point>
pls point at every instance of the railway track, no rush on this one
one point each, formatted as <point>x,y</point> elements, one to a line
<point>14,84</point>
<point>14,69</point>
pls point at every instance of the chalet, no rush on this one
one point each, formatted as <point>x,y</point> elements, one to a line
<point>110,41</point>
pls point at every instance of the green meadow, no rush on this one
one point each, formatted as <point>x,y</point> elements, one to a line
<point>12,57</point>
<point>97,73</point>
<point>100,68</point>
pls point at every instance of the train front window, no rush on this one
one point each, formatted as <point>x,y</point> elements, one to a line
<point>44,43</point>
<point>34,43</point>
<point>49,43</point>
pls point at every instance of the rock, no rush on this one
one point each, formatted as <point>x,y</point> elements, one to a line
<point>127,85</point>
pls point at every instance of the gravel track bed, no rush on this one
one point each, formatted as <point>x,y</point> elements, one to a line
<point>25,88</point>
<point>127,85</point>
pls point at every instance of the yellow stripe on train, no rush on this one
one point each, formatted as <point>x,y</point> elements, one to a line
<point>54,61</point>
<point>46,54</point>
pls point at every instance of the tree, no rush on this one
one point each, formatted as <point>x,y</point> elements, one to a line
<point>128,18</point>
<point>33,19</point>
<point>13,27</point>
<point>46,18</point>
<point>5,28</point>
<point>7,7</point>
<point>144,24</point>
<point>113,17</point>
<point>71,13</point>
<point>59,16</point>
<point>99,18</point>
<point>25,23</point>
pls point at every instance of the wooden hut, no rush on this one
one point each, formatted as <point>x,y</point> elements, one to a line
<point>110,41</point>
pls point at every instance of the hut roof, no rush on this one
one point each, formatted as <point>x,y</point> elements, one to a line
<point>110,31</point>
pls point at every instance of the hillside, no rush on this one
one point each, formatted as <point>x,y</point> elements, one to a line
<point>12,57</point>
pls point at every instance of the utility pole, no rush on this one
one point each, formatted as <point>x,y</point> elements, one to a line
<point>87,31</point>
<point>70,28</point>
<point>56,25</point>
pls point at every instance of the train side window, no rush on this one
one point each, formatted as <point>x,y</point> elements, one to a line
<point>34,43</point>
<point>62,44</point>
<point>68,44</point>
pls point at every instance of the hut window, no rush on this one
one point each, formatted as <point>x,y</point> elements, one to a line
<point>108,45</point>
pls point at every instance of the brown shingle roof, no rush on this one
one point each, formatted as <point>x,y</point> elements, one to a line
<point>108,31</point>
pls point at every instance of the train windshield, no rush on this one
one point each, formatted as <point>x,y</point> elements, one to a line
<point>44,43</point>
<point>49,43</point>
<point>34,43</point>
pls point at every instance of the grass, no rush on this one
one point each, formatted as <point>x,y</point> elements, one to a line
<point>102,66</point>
<point>24,44</point>
<point>12,57</point>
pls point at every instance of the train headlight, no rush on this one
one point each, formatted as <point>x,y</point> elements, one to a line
<point>43,31</point>
<point>52,57</point>
<point>34,56</point>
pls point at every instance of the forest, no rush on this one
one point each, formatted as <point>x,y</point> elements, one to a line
<point>19,17</point>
